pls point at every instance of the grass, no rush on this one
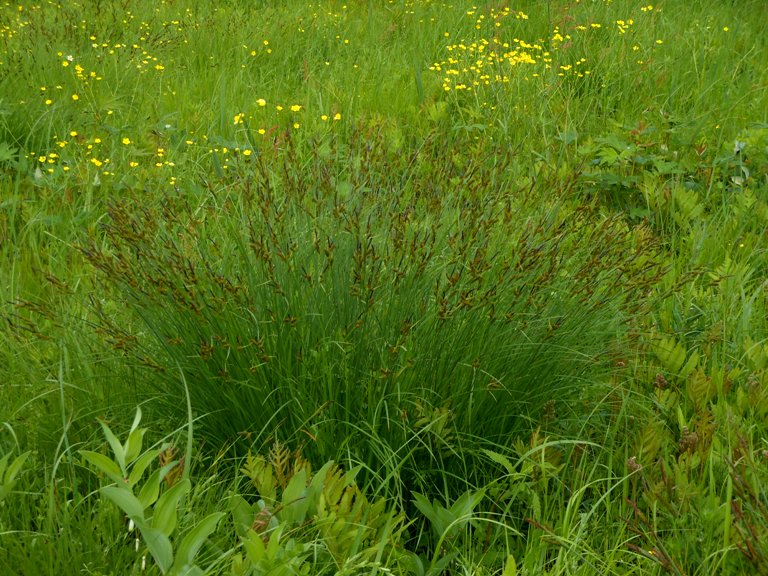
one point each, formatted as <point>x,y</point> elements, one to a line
<point>397,287</point>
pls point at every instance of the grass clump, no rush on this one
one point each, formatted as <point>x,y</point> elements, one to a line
<point>324,306</point>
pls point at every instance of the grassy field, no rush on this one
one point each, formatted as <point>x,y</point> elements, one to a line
<point>386,287</point>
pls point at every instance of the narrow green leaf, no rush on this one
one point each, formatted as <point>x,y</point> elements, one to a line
<point>500,459</point>
<point>5,489</point>
<point>117,448</point>
<point>132,447</point>
<point>190,428</point>
<point>136,420</point>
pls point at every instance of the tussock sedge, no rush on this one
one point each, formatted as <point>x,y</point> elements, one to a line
<point>352,302</point>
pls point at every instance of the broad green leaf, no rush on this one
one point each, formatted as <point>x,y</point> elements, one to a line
<point>125,500</point>
<point>439,517</point>
<point>701,388</point>
<point>237,566</point>
<point>535,505</point>
<point>510,567</point>
<point>8,473</point>
<point>138,468</point>
<point>440,566</point>
<point>333,487</point>
<point>757,353</point>
<point>151,490</point>
<point>188,571</point>
<point>349,477</point>
<point>254,547</point>
<point>164,518</point>
<point>690,365</point>
<point>424,506</point>
<point>242,514</point>
<point>464,506</point>
<point>103,464</point>
<point>262,475</point>
<point>196,537</point>
<point>158,545</point>
<point>670,353</point>
<point>273,547</point>
<point>7,153</point>
<point>167,468</point>
<point>319,478</point>
<point>295,503</point>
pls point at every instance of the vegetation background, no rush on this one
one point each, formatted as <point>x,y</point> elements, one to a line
<point>384,287</point>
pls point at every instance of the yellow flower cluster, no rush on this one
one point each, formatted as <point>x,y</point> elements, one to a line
<point>242,117</point>
<point>483,62</point>
<point>75,154</point>
<point>502,57</point>
<point>623,25</point>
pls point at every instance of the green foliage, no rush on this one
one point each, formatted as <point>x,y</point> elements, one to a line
<point>448,524</point>
<point>10,472</point>
<point>154,514</point>
<point>311,522</point>
<point>496,274</point>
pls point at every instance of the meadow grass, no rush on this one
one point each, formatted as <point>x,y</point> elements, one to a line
<point>409,287</point>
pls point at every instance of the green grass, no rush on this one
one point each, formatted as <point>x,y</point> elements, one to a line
<point>408,287</point>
